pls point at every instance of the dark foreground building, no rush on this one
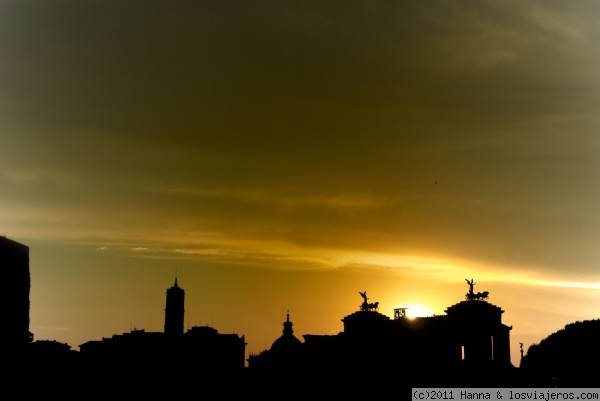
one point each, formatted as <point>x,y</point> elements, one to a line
<point>14,297</point>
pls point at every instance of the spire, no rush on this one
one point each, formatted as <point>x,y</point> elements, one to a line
<point>287,342</point>
<point>287,326</point>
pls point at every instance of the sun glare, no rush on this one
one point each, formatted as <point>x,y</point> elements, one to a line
<point>415,310</point>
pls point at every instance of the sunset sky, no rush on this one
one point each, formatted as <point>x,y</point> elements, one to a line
<point>284,155</point>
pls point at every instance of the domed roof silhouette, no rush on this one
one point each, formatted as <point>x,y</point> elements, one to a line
<point>287,342</point>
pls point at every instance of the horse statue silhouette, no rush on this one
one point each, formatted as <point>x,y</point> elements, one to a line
<point>366,306</point>
<point>473,296</point>
<point>479,295</point>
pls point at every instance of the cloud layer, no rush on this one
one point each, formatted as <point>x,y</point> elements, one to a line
<point>463,131</point>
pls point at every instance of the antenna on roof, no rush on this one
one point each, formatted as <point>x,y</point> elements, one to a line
<point>176,284</point>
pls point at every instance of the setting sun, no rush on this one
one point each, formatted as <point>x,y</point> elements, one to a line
<point>415,310</point>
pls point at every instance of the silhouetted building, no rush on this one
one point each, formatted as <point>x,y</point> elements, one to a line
<point>174,310</point>
<point>14,298</point>
<point>478,336</point>
<point>201,348</point>
<point>469,342</point>
<point>285,352</point>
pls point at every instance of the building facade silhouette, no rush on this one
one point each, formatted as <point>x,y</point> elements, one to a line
<point>469,342</point>
<point>14,298</point>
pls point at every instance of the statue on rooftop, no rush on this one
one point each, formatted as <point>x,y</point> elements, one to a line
<point>366,306</point>
<point>364,296</point>
<point>471,285</point>
<point>471,295</point>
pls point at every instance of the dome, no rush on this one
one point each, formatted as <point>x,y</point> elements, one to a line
<point>287,342</point>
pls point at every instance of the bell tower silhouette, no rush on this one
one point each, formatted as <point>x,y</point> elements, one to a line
<point>174,310</point>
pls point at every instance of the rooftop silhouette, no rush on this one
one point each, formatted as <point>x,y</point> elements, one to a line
<point>467,346</point>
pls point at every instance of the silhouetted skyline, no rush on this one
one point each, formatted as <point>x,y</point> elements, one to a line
<point>468,346</point>
<point>283,155</point>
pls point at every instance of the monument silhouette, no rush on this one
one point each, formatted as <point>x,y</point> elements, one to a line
<point>469,344</point>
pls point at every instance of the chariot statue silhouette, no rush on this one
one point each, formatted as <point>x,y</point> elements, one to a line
<point>473,296</point>
<point>366,306</point>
